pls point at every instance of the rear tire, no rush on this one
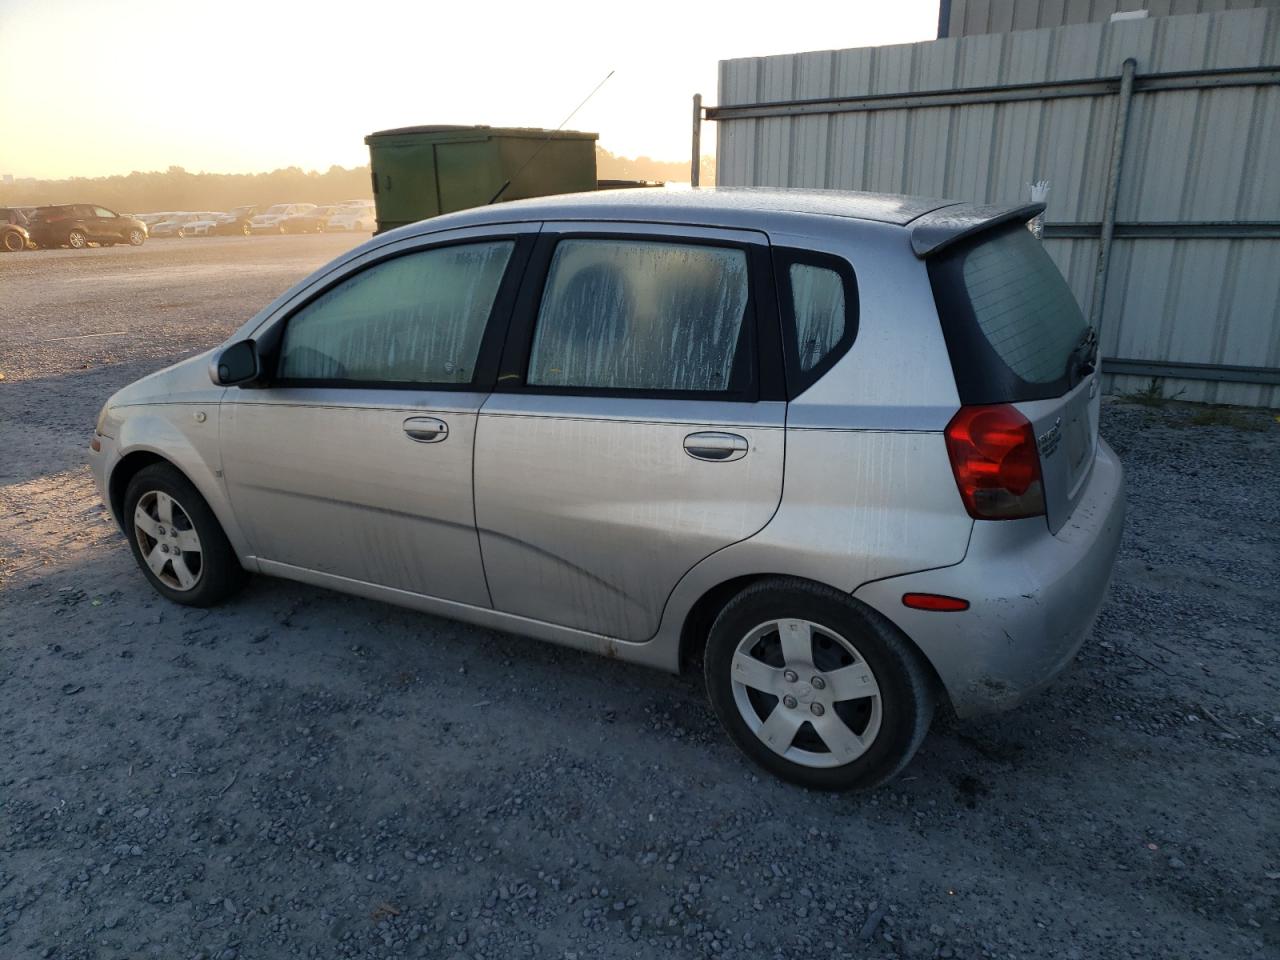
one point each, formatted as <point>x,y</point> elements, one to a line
<point>13,241</point>
<point>77,240</point>
<point>177,541</point>
<point>816,688</point>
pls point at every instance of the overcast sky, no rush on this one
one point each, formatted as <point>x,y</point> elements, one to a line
<point>96,87</point>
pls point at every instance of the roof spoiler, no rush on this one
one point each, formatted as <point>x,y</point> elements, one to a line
<point>935,231</point>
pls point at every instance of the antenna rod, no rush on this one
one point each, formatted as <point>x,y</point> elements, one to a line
<point>503,189</point>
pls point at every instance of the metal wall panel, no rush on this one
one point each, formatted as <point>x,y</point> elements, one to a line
<point>1204,155</point>
<point>969,17</point>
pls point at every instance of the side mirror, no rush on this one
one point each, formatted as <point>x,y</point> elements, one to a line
<point>237,365</point>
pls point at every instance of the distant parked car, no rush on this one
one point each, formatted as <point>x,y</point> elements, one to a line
<point>176,221</point>
<point>235,223</point>
<point>202,226</point>
<point>77,225</point>
<point>13,230</point>
<point>313,221</point>
<point>358,218</point>
<point>272,221</point>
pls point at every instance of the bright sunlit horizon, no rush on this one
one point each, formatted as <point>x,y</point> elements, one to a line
<point>245,87</point>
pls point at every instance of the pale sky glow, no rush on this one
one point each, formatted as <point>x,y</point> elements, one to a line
<point>96,87</point>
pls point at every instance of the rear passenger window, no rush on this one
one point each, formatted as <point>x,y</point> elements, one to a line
<point>643,315</point>
<point>416,319</point>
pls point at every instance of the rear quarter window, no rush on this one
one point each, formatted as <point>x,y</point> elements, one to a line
<point>1009,318</point>
<point>819,299</point>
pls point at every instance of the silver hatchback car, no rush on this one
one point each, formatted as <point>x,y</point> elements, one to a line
<point>842,449</point>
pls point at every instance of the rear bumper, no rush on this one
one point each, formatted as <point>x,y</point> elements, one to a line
<point>1033,598</point>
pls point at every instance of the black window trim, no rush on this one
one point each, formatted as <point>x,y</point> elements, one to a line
<point>800,380</point>
<point>486,367</point>
<point>759,349</point>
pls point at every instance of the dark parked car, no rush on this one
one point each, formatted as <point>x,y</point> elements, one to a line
<point>312,221</point>
<point>79,224</point>
<point>236,222</point>
<point>13,230</point>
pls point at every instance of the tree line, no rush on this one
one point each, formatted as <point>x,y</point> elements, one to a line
<point>179,189</point>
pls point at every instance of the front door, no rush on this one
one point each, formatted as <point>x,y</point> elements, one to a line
<point>356,461</point>
<point>635,429</point>
<point>106,225</point>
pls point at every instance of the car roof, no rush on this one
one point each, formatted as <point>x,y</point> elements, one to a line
<point>934,223</point>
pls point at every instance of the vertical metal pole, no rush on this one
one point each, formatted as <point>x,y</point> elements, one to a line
<point>1113,193</point>
<point>696,164</point>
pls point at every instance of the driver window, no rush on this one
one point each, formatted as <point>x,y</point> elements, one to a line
<point>418,319</point>
<point>102,212</point>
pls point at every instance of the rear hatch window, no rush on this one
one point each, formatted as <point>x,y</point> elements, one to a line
<point>1016,335</point>
<point>1010,320</point>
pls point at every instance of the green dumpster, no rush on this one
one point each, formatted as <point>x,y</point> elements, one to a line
<point>421,172</point>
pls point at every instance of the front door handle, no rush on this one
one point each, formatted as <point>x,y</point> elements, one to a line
<point>426,429</point>
<point>719,447</point>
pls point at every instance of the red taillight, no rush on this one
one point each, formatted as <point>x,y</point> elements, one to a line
<point>934,601</point>
<point>997,467</point>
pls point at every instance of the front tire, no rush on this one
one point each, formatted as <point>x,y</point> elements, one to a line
<point>13,241</point>
<point>816,688</point>
<point>136,238</point>
<point>177,541</point>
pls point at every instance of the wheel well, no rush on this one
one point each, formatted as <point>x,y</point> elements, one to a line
<point>125,471</point>
<point>698,621</point>
<point>697,625</point>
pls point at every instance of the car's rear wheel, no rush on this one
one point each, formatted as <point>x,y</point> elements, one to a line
<point>136,238</point>
<point>13,241</point>
<point>177,541</point>
<point>816,688</point>
<point>77,240</point>
<point>246,230</point>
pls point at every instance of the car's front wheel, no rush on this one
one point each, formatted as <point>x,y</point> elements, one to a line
<point>136,238</point>
<point>816,688</point>
<point>176,539</point>
<point>13,241</point>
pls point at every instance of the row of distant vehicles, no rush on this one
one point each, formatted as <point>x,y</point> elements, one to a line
<point>78,225</point>
<point>350,216</point>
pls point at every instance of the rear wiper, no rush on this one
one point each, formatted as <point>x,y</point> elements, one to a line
<point>1083,356</point>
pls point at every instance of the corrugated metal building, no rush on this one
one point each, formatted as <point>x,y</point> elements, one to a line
<point>1193,288</point>
<point>961,18</point>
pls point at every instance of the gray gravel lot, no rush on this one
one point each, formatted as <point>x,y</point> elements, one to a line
<point>300,773</point>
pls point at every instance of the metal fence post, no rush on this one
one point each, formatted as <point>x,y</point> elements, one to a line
<point>695,167</point>
<point>1127,70</point>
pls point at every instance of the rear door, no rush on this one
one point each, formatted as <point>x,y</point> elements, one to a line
<point>1016,335</point>
<point>637,425</point>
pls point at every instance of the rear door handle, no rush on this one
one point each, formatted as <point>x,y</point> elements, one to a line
<point>426,429</point>
<point>720,447</point>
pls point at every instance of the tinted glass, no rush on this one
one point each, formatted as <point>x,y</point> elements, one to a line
<point>640,315</point>
<point>817,296</point>
<point>102,212</point>
<point>416,319</point>
<point>1023,305</point>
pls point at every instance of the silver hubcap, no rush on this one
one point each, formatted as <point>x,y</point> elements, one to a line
<point>806,692</point>
<point>168,540</point>
<point>76,240</point>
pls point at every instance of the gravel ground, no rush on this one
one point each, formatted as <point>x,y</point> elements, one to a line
<point>300,773</point>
